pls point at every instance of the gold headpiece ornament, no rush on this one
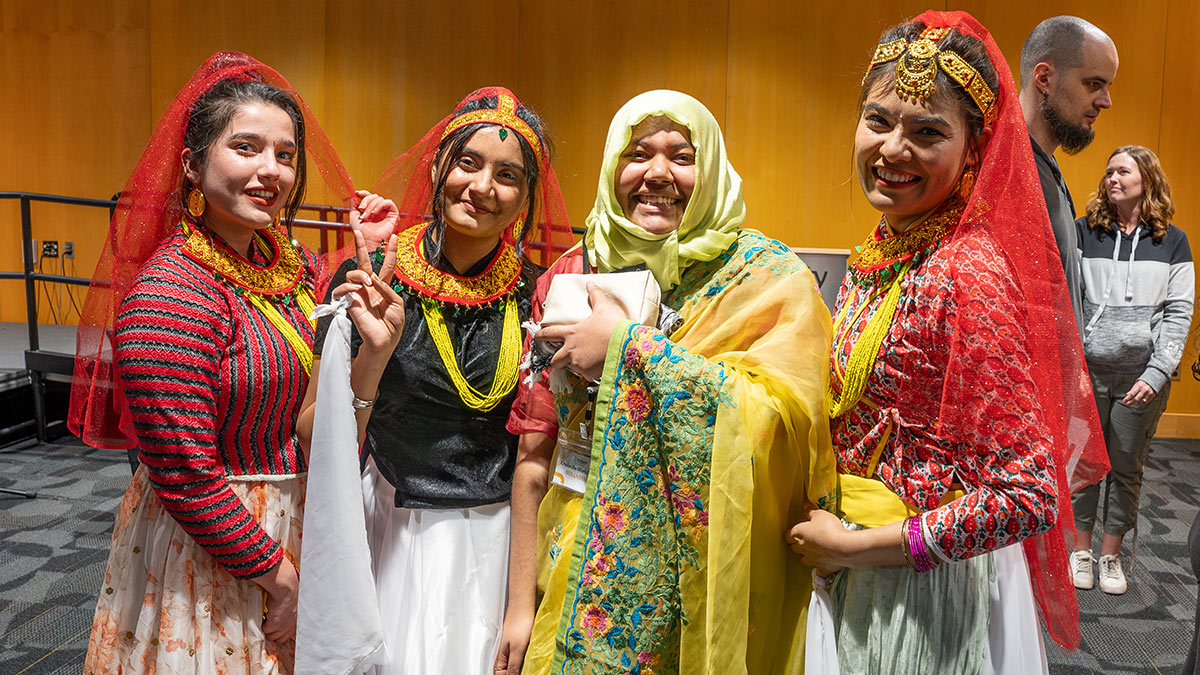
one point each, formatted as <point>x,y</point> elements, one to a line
<point>505,115</point>
<point>917,64</point>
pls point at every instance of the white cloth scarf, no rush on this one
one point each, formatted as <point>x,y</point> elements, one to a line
<point>338,628</point>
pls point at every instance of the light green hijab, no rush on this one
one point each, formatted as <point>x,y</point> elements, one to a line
<point>711,218</point>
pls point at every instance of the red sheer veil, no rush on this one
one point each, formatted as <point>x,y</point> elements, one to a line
<point>1006,206</point>
<point>409,181</point>
<point>148,210</point>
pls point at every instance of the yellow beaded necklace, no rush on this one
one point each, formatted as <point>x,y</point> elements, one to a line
<point>280,281</point>
<point>879,270</point>
<point>506,365</point>
<point>866,348</point>
<point>499,280</point>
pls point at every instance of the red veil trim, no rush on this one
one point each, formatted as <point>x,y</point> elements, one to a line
<point>1007,207</point>
<point>147,211</point>
<point>408,179</point>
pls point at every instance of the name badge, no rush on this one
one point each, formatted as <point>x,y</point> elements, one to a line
<point>574,460</point>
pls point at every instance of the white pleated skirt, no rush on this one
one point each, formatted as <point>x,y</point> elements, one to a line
<point>442,578</point>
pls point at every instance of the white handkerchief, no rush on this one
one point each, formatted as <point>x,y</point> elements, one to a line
<point>338,627</point>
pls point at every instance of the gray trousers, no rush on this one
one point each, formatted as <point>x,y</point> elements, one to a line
<point>1127,433</point>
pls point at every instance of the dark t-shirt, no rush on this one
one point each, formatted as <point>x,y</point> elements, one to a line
<point>1062,221</point>
<point>436,451</point>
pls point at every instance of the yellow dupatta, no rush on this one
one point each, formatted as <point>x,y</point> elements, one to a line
<point>752,356</point>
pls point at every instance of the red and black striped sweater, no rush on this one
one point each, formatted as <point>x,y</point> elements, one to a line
<point>214,390</point>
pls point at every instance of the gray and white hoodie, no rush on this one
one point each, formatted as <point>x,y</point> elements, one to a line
<point>1137,300</point>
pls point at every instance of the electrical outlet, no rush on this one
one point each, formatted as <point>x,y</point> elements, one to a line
<point>34,248</point>
<point>68,249</point>
<point>50,248</point>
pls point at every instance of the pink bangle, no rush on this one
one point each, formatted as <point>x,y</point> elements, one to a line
<point>908,560</point>
<point>919,555</point>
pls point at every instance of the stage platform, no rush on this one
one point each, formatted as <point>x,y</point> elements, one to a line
<point>14,340</point>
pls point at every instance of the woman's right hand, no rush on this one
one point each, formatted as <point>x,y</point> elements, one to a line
<point>281,586</point>
<point>375,308</point>
<point>514,640</point>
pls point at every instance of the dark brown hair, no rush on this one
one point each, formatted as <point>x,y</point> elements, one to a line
<point>1156,206</point>
<point>212,113</point>
<point>969,48</point>
<point>452,146</point>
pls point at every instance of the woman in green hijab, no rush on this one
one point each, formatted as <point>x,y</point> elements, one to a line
<point>698,443</point>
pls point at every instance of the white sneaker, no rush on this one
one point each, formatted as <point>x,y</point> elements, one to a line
<point>1112,579</point>
<point>1081,569</point>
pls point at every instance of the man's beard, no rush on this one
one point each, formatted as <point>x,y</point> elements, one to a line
<point>1071,137</point>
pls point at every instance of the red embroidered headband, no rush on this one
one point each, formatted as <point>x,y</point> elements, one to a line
<point>504,115</point>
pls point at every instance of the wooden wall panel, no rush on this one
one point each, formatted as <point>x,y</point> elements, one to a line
<point>580,62</point>
<point>794,78</point>
<point>291,40</point>
<point>86,80</point>
<point>1177,150</point>
<point>1136,93</point>
<point>395,69</point>
<point>73,115</point>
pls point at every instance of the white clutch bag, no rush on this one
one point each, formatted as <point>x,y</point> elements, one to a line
<point>637,293</point>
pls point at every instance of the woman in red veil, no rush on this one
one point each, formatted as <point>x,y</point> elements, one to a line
<point>196,347</point>
<point>436,346</point>
<point>957,393</point>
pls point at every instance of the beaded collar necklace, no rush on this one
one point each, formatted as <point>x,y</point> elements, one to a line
<point>414,273</point>
<point>284,280</point>
<point>880,258</point>
<point>279,277</point>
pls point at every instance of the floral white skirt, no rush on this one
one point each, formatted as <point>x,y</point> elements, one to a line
<point>168,606</point>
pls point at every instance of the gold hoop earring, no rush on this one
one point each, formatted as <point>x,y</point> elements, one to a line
<point>196,203</point>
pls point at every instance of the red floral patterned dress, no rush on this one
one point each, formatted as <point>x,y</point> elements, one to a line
<point>1005,466</point>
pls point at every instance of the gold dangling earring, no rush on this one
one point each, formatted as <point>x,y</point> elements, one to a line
<point>196,203</point>
<point>966,184</point>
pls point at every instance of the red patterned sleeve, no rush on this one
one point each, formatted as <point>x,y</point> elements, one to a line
<point>991,416</point>
<point>533,409</point>
<point>167,340</point>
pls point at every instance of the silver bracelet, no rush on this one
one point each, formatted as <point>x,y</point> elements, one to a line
<point>360,404</point>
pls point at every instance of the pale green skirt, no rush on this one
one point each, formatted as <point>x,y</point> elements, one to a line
<point>896,621</point>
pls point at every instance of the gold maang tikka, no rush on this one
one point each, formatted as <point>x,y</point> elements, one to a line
<point>917,65</point>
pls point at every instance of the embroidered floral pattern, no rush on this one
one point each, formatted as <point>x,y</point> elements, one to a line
<point>643,524</point>
<point>700,282</point>
<point>648,520</point>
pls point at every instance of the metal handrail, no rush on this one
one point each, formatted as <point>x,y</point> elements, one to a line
<point>39,363</point>
<point>331,221</point>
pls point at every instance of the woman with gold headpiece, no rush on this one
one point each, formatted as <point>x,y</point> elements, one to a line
<point>693,443</point>
<point>956,374</point>
<point>437,343</point>
<point>195,346</point>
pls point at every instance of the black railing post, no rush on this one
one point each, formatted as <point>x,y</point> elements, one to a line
<point>30,287</point>
<point>31,317</point>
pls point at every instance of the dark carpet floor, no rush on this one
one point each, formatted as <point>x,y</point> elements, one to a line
<point>53,551</point>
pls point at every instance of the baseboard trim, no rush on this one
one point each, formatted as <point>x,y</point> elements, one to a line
<point>1178,425</point>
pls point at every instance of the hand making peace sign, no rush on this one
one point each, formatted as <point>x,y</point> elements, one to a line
<point>375,308</point>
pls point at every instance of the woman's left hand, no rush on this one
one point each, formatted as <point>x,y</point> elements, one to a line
<point>374,216</point>
<point>1139,394</point>
<point>585,344</point>
<point>819,541</point>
